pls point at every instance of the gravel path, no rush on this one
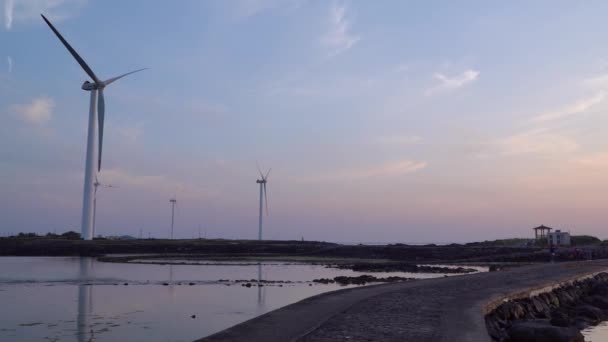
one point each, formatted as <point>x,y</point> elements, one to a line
<point>446,309</point>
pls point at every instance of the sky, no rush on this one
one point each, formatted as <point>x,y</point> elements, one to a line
<point>391,121</point>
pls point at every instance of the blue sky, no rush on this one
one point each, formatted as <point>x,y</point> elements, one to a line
<point>382,121</point>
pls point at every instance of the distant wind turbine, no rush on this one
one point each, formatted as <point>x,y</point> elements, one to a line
<point>173,202</point>
<point>96,185</point>
<point>96,120</point>
<point>263,198</point>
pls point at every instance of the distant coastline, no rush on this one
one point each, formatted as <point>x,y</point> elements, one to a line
<point>511,251</point>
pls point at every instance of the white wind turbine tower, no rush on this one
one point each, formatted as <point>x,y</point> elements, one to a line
<point>263,198</point>
<point>173,202</point>
<point>96,185</point>
<point>96,120</point>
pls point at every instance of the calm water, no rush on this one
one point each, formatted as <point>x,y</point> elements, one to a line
<point>597,334</point>
<point>80,299</point>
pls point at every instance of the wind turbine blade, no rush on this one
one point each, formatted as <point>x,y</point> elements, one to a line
<point>111,80</point>
<point>259,170</point>
<point>267,173</point>
<point>101,109</point>
<point>266,199</point>
<point>79,59</point>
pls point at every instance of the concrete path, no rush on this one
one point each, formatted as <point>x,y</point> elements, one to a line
<point>445,309</point>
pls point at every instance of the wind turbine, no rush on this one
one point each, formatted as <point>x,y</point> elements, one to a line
<point>173,202</point>
<point>96,120</point>
<point>263,198</point>
<point>96,185</point>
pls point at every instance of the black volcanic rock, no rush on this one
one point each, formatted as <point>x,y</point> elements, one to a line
<point>543,331</point>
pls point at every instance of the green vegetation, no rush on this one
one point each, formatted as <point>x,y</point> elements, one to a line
<point>576,240</point>
<point>584,240</point>
<point>71,235</point>
<point>513,242</point>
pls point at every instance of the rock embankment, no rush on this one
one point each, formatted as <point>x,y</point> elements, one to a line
<point>557,315</point>
<point>430,310</point>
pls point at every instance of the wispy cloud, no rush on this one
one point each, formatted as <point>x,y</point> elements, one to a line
<point>9,7</point>
<point>399,140</point>
<point>123,178</point>
<point>386,170</point>
<point>537,141</point>
<point>154,183</point>
<point>397,168</point>
<point>445,82</point>
<point>596,82</point>
<point>594,160</point>
<point>339,37</point>
<point>9,60</point>
<point>23,10</point>
<point>37,112</point>
<point>572,109</point>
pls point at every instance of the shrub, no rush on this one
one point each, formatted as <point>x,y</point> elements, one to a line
<point>71,235</point>
<point>579,240</point>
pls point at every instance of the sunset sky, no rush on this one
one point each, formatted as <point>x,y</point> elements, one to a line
<point>383,121</point>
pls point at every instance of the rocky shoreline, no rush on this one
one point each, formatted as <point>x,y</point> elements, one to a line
<point>360,280</point>
<point>403,267</point>
<point>557,315</point>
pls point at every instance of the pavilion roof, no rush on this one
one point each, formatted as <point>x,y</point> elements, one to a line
<point>542,227</point>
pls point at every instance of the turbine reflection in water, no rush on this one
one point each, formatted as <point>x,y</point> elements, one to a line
<point>85,301</point>
<point>261,290</point>
<point>171,287</point>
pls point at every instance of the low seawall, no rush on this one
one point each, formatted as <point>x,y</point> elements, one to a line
<point>557,313</point>
<point>445,309</point>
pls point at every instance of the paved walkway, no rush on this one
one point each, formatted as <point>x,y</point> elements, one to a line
<point>445,309</point>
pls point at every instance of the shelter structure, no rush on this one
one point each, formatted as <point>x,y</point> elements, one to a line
<point>541,232</point>
<point>559,238</point>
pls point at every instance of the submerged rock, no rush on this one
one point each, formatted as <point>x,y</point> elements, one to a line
<point>560,319</point>
<point>543,331</point>
<point>404,267</point>
<point>592,313</point>
<point>359,280</point>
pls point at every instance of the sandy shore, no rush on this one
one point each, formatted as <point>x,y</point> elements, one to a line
<point>446,309</point>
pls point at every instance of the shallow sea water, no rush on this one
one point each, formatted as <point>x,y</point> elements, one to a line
<point>598,333</point>
<point>81,299</point>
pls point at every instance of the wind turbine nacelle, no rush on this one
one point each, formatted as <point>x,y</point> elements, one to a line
<point>88,86</point>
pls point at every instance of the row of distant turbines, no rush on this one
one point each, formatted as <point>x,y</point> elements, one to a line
<point>95,130</point>
<point>263,203</point>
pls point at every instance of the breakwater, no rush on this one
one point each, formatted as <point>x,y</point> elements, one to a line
<point>552,314</point>
<point>434,310</point>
